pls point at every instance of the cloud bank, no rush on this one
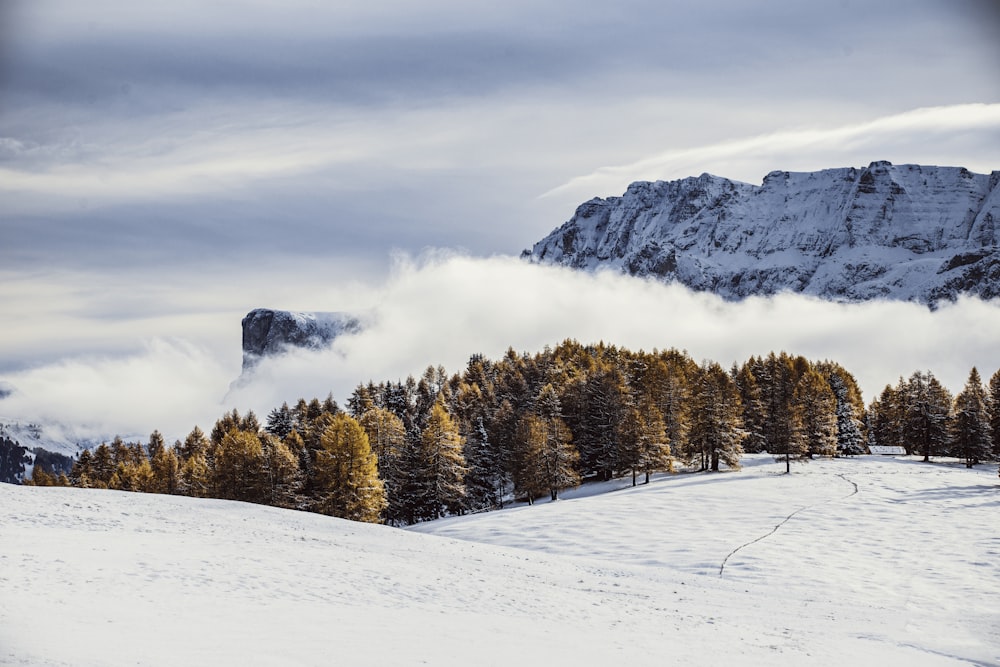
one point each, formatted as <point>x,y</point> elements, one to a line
<point>442,308</point>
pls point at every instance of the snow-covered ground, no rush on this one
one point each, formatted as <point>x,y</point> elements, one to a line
<point>874,561</point>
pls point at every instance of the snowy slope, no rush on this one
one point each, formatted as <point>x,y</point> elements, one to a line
<point>904,570</point>
<point>906,232</point>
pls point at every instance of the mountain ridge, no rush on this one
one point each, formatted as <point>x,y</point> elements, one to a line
<point>907,232</point>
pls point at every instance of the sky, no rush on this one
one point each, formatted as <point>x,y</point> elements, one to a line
<point>165,169</point>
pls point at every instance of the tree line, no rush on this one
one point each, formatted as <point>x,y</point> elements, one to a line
<point>532,425</point>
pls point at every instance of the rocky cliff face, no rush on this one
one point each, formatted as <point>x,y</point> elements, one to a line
<point>268,332</point>
<point>905,232</point>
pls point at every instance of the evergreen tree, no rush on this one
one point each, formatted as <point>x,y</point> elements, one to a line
<point>887,418</point>
<point>487,477</point>
<point>103,466</point>
<point>971,438</point>
<point>165,466</point>
<point>778,375</point>
<point>441,472</point>
<point>753,409</point>
<point>238,468</point>
<point>994,405</point>
<point>387,439</point>
<point>850,410</point>
<point>814,418</point>
<point>194,443</point>
<point>195,476</point>
<point>559,456</point>
<point>644,441</point>
<point>528,462</point>
<point>280,421</point>
<point>927,414</point>
<point>281,467</point>
<point>347,472</point>
<point>716,432</point>
<point>82,473</point>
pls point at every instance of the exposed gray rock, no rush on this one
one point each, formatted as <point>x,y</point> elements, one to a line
<point>269,332</point>
<point>905,232</point>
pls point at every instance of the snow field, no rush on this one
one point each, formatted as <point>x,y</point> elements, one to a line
<point>906,570</point>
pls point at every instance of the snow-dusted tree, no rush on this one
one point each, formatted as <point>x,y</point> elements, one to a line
<point>777,376</point>
<point>850,409</point>
<point>644,441</point>
<point>440,475</point>
<point>348,484</point>
<point>814,418</point>
<point>994,405</point>
<point>487,479</point>
<point>280,421</point>
<point>281,467</point>
<point>559,456</point>
<point>387,438</point>
<point>754,413</point>
<point>666,382</point>
<point>928,410</point>
<point>82,473</point>
<point>716,432</point>
<point>970,434</point>
<point>527,464</point>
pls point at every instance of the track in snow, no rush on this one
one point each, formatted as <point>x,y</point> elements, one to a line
<point>722,567</point>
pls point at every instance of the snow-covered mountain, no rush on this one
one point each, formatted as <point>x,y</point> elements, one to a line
<point>905,232</point>
<point>269,332</point>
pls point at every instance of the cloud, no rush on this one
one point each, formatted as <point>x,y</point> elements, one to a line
<point>965,135</point>
<point>442,310</point>
<point>443,307</point>
<point>169,385</point>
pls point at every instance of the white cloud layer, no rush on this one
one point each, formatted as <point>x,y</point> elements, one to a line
<point>443,308</point>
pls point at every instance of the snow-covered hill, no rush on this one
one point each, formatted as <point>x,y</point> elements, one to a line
<point>861,562</point>
<point>905,232</point>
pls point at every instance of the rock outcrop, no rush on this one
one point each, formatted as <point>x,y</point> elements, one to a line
<point>269,332</point>
<point>904,232</point>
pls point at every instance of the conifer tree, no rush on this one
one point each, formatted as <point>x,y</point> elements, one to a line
<point>971,438</point>
<point>850,409</point>
<point>165,466</point>
<point>440,486</point>
<point>194,443</point>
<point>778,376</point>
<point>753,409</point>
<point>103,466</point>
<point>82,473</point>
<point>195,476</point>
<point>994,405</point>
<point>280,421</point>
<point>281,467</point>
<point>528,461</point>
<point>716,419</point>
<point>387,439</point>
<point>644,441</point>
<point>927,414</point>
<point>238,468</point>
<point>347,472</point>
<point>559,456</point>
<point>487,479</point>
<point>814,418</point>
